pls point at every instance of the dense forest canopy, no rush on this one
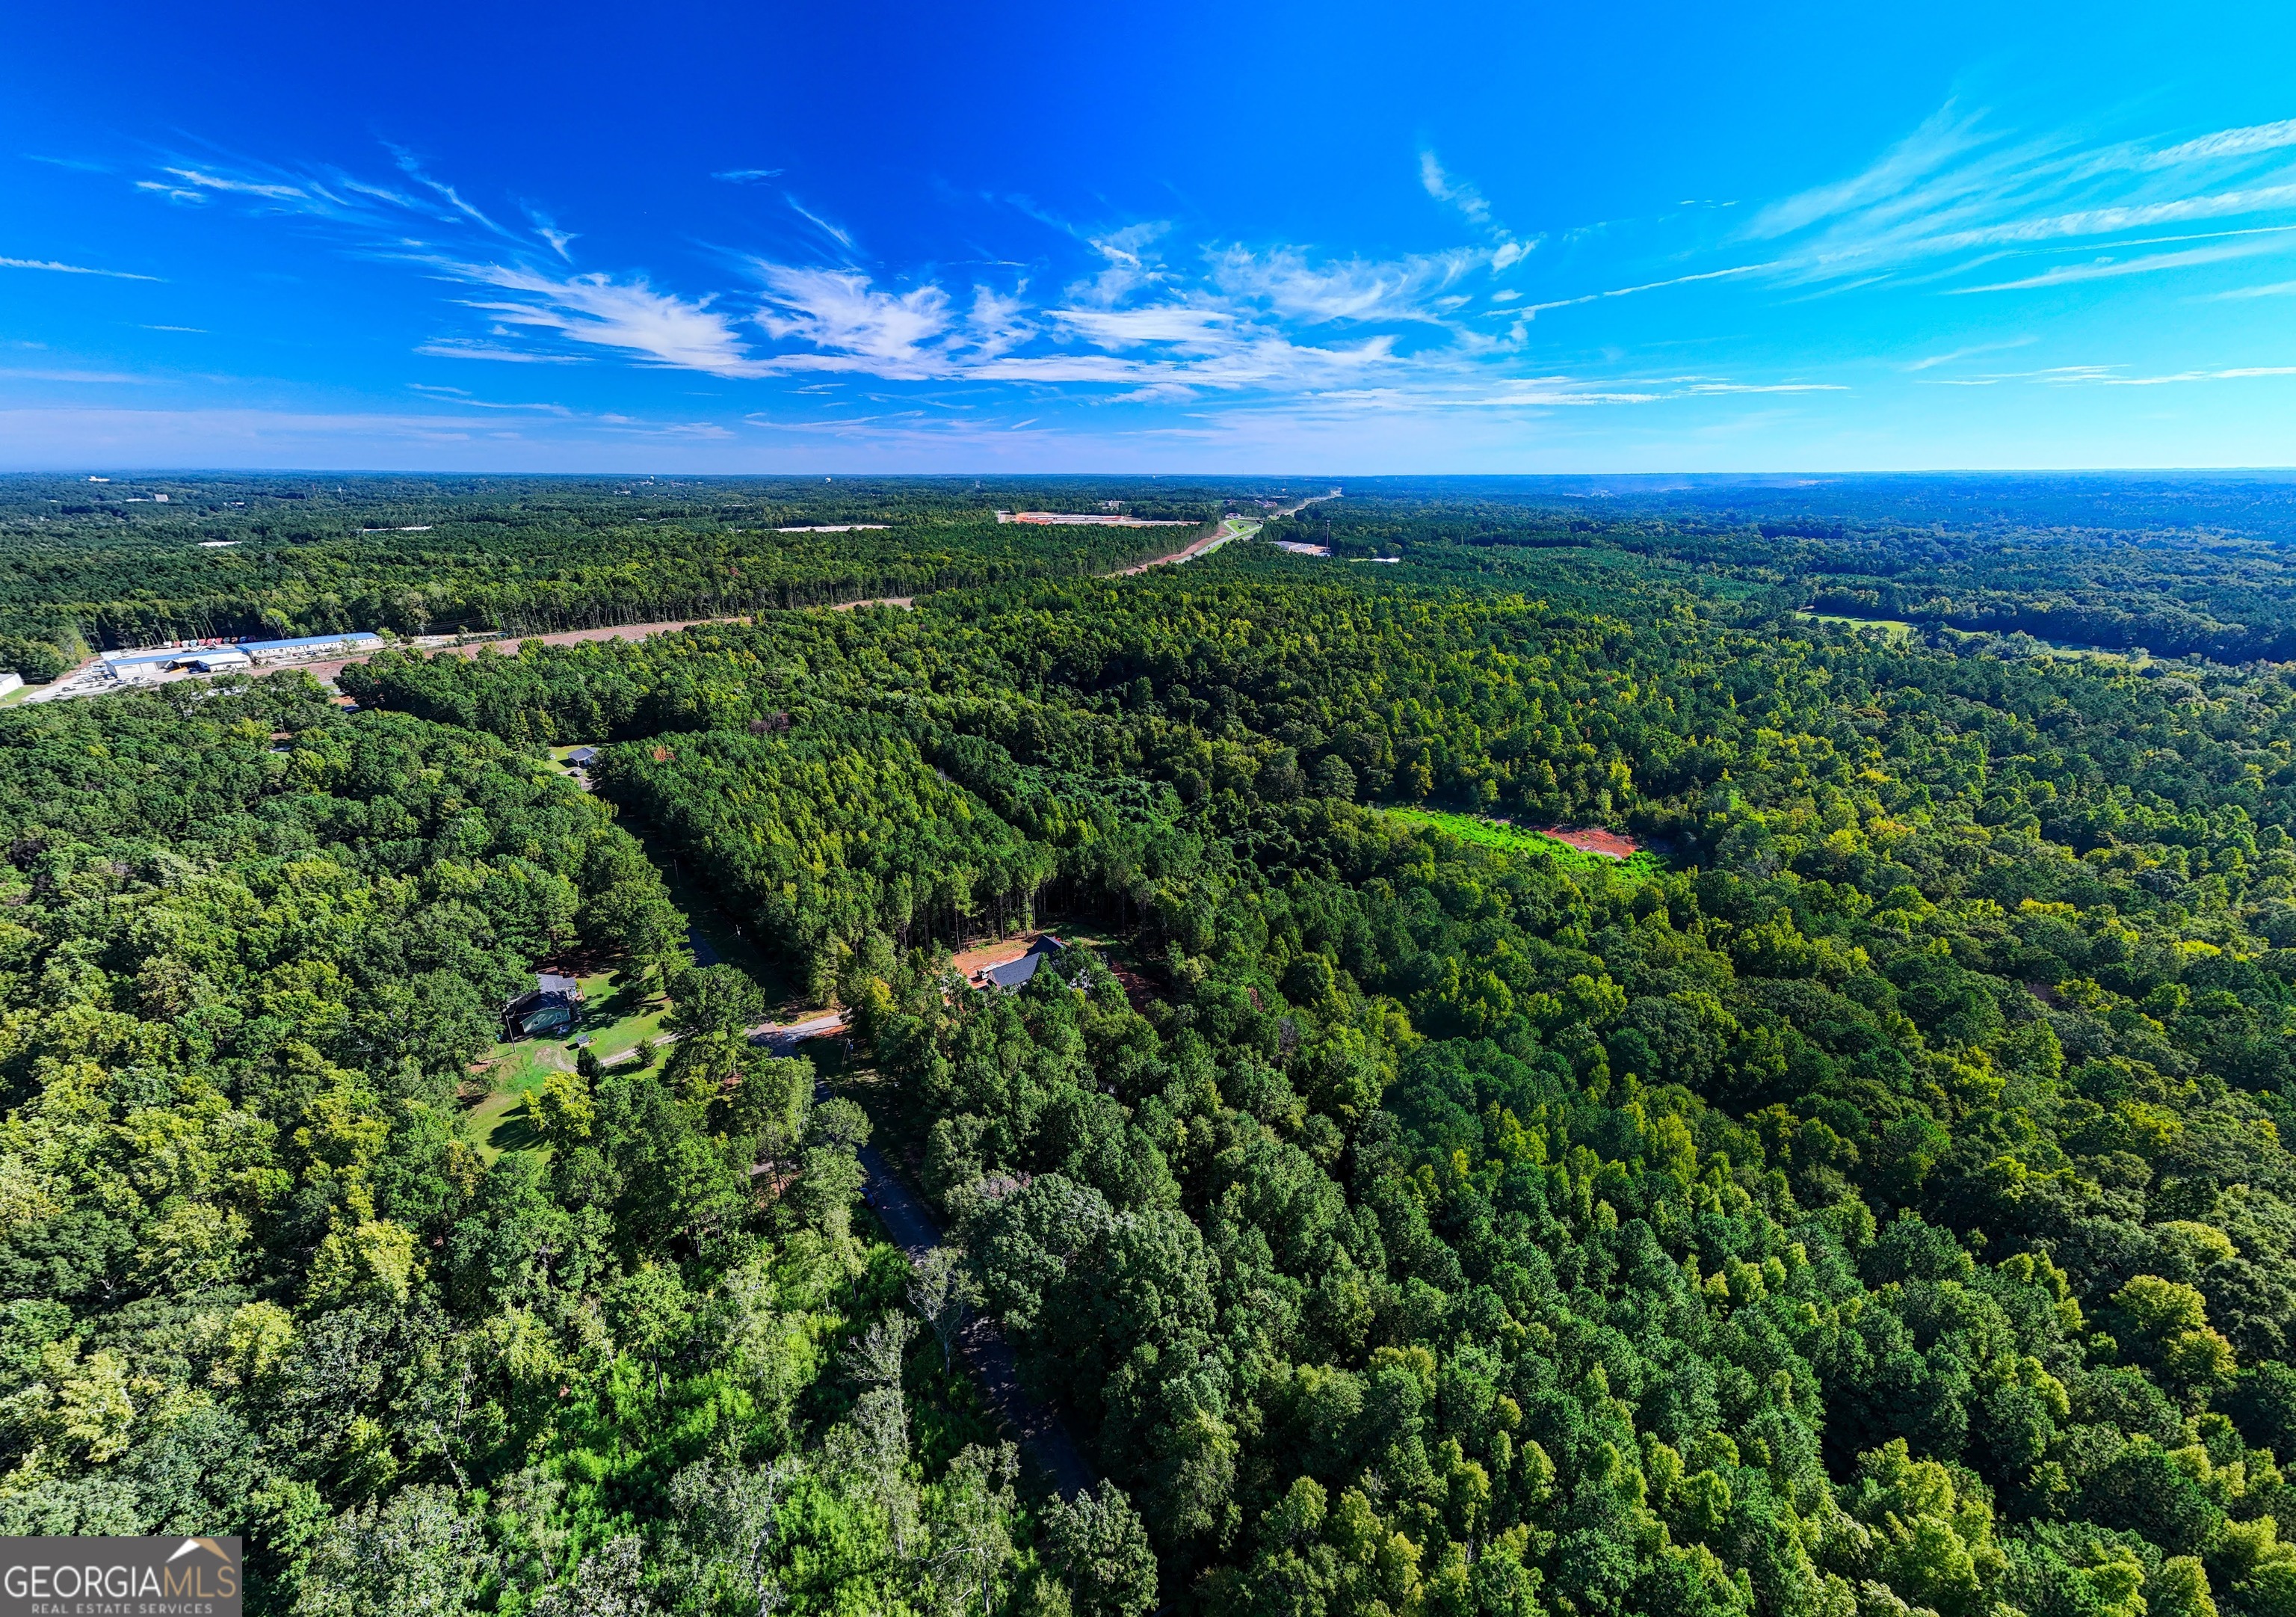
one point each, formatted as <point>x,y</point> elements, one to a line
<point>1874,1202</point>
<point>2177,564</point>
<point>131,562</point>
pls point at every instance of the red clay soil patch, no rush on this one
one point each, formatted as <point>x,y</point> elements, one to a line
<point>1137,989</point>
<point>1595,838</point>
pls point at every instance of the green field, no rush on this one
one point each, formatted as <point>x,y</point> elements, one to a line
<point>1521,840</point>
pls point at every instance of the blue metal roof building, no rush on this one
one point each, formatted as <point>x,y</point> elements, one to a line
<point>154,658</point>
<point>255,650</point>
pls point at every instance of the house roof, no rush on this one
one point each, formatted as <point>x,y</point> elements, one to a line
<point>1013,973</point>
<point>544,982</point>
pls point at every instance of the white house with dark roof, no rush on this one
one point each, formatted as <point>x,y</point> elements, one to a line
<point>552,1006</point>
<point>1014,974</point>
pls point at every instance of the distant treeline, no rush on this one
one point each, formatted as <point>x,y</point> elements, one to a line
<point>84,567</point>
<point>2225,597</point>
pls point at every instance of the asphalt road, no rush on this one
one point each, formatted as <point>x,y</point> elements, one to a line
<point>1043,1434</point>
<point>986,1354</point>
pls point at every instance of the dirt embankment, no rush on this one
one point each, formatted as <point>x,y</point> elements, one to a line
<point>1204,546</point>
<point>1593,839</point>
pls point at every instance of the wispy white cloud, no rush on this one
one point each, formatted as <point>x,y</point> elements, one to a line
<point>841,236</point>
<point>2234,374</point>
<point>466,348</point>
<point>2109,221</point>
<point>200,180</point>
<point>628,315</point>
<point>1291,284</point>
<point>1169,325</point>
<point>2227,143</point>
<point>73,269</point>
<point>1474,206</point>
<point>110,378</point>
<point>999,324</point>
<point>1946,136</point>
<point>746,177</point>
<point>2110,376</point>
<point>411,166</point>
<point>1956,189</point>
<point>665,429</point>
<point>1462,194</point>
<point>2111,269</point>
<point>547,229</point>
<point>851,324</point>
<point>1128,267</point>
<point>1697,388</point>
<point>1931,362</point>
<point>2275,289</point>
<point>1652,286</point>
<point>458,397</point>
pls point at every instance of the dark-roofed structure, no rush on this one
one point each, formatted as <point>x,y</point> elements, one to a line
<point>554,1006</point>
<point>1013,973</point>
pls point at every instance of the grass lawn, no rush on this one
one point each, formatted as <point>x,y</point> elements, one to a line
<point>615,1016</point>
<point>1519,839</point>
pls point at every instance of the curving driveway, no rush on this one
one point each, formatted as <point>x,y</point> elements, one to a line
<point>982,1345</point>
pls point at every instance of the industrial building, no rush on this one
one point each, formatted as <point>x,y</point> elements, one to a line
<point>227,657</point>
<point>274,651</point>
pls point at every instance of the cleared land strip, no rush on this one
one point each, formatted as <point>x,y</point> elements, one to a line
<point>1189,552</point>
<point>325,672</point>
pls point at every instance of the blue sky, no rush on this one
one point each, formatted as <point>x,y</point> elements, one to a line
<point>1340,237</point>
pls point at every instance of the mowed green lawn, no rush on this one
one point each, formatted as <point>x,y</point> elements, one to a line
<point>615,1017</point>
<point>1522,839</point>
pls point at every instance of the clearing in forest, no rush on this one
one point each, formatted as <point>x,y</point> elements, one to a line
<point>617,1015</point>
<point>1577,847</point>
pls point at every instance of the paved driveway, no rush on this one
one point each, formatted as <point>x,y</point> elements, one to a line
<point>982,1345</point>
